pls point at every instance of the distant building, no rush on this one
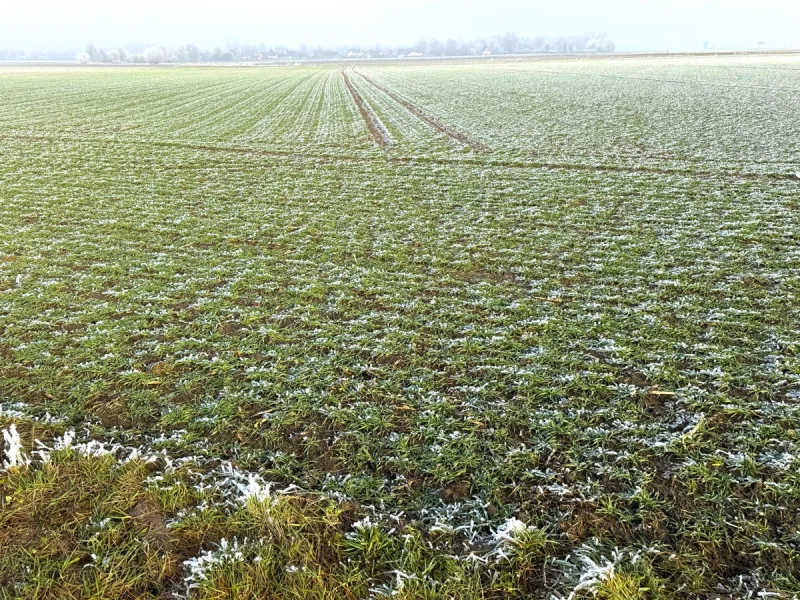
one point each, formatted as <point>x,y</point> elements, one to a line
<point>414,54</point>
<point>487,52</point>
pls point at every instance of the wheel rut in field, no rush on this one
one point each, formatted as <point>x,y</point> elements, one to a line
<point>378,130</point>
<point>485,161</point>
<point>432,121</point>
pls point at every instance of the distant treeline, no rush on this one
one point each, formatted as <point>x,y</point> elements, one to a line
<point>508,43</point>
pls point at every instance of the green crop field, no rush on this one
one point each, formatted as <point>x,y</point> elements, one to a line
<point>501,330</point>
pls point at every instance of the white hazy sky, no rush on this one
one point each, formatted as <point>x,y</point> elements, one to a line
<point>633,24</point>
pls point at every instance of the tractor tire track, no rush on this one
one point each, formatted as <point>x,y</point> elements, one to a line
<point>701,174</point>
<point>378,130</point>
<point>432,121</point>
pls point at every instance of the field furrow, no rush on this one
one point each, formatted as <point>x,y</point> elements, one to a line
<point>420,113</point>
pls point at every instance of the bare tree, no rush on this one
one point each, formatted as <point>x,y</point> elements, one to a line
<point>154,55</point>
<point>93,52</point>
<point>83,58</point>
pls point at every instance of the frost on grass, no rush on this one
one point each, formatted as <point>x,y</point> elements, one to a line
<point>94,448</point>
<point>594,573</point>
<point>453,343</point>
<point>240,487</point>
<point>589,568</point>
<point>14,454</point>
<point>228,553</point>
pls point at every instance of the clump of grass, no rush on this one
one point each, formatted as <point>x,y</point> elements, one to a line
<point>529,551</point>
<point>81,526</point>
<point>623,586</point>
<point>625,576</point>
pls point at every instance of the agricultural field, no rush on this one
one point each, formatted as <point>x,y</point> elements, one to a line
<point>524,329</point>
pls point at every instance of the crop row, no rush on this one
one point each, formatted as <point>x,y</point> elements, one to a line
<point>680,112</point>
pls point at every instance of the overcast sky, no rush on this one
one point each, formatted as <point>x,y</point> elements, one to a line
<point>633,24</point>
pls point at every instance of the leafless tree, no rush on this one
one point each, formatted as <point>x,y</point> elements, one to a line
<point>154,55</point>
